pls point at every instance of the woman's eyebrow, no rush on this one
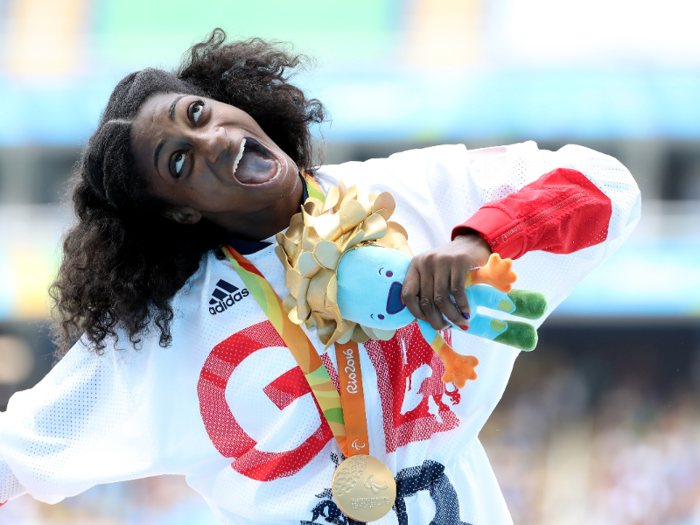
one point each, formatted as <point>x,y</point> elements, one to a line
<point>171,111</point>
<point>157,154</point>
<point>171,115</point>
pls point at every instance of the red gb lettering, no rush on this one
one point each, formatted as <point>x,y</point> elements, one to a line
<point>412,412</point>
<point>227,435</point>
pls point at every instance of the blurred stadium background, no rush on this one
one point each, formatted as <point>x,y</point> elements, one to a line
<point>600,425</point>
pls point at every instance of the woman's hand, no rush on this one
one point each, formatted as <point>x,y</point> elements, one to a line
<point>442,271</point>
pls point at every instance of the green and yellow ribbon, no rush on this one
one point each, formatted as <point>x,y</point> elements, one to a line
<point>294,337</point>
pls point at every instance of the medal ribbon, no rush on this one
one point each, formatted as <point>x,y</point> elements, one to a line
<point>353,398</point>
<point>346,418</point>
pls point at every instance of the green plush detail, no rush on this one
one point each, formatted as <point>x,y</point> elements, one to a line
<point>519,335</point>
<point>530,305</point>
<point>334,415</point>
<point>505,305</point>
<point>497,325</point>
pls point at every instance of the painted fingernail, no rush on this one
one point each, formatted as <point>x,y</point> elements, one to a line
<point>467,315</point>
<point>464,327</point>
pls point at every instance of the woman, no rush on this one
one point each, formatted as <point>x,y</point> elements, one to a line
<point>183,163</point>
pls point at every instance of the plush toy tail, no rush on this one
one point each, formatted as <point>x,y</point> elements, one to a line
<point>458,368</point>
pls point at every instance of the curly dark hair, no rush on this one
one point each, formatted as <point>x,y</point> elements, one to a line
<point>123,262</point>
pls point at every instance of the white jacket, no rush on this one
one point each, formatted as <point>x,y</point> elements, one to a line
<point>227,406</point>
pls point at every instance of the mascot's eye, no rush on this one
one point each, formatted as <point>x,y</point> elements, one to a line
<point>380,316</point>
<point>389,273</point>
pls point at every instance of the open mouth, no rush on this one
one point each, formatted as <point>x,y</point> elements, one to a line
<point>255,164</point>
<point>393,301</point>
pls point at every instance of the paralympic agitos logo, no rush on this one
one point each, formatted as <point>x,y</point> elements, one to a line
<point>224,295</point>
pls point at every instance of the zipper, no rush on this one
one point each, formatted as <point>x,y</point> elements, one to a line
<point>505,236</point>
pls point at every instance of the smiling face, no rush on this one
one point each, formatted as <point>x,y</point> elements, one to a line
<point>213,161</point>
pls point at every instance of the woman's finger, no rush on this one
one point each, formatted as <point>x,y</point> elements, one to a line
<point>458,278</point>
<point>441,296</point>
<point>410,290</point>
<point>430,311</point>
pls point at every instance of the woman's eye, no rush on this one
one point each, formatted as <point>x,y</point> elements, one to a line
<point>196,111</point>
<point>178,161</point>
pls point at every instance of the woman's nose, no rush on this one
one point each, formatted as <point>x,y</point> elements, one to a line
<point>213,143</point>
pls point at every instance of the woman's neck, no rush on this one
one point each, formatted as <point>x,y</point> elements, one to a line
<point>268,221</point>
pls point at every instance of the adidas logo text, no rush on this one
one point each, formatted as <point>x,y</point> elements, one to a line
<point>225,295</point>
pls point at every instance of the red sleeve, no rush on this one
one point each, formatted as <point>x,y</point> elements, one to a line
<point>561,212</point>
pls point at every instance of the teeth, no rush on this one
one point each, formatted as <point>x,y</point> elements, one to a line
<point>239,156</point>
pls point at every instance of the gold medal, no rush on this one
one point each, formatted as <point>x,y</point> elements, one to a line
<point>364,488</point>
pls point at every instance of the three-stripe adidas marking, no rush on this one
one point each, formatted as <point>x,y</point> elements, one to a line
<point>225,295</point>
